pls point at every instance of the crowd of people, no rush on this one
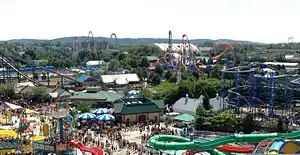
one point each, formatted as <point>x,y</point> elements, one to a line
<point>111,137</point>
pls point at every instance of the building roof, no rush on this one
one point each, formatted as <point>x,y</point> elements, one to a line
<point>187,105</point>
<point>94,63</point>
<point>105,96</point>
<point>87,96</point>
<point>282,63</point>
<point>218,103</point>
<point>205,49</point>
<point>175,47</point>
<point>160,103</point>
<point>136,106</point>
<point>85,77</point>
<point>120,78</point>
<point>151,58</point>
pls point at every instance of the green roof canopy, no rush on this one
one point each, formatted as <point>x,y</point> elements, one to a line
<point>185,117</point>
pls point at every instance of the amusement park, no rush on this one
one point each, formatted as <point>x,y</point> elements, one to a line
<point>101,96</point>
<point>134,123</point>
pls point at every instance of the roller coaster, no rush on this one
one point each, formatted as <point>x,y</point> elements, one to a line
<point>184,57</point>
<point>8,60</point>
<point>254,85</point>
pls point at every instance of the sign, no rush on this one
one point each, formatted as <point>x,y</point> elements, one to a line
<point>43,147</point>
<point>61,147</point>
<point>46,129</point>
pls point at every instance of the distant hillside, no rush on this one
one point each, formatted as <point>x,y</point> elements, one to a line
<point>122,41</point>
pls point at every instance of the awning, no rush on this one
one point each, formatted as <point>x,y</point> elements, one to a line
<point>185,117</point>
<point>29,111</point>
<point>12,106</point>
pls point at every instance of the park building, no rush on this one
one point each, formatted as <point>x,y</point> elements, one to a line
<point>288,66</point>
<point>175,47</point>
<point>120,81</point>
<point>138,109</point>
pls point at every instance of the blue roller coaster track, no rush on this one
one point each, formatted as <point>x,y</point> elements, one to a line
<point>7,59</point>
<point>255,87</point>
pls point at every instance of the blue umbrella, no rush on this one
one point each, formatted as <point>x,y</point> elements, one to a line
<point>69,118</point>
<point>87,116</point>
<point>133,92</point>
<point>101,111</point>
<point>106,117</point>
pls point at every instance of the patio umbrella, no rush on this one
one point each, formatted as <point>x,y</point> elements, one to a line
<point>87,116</point>
<point>69,118</point>
<point>101,111</point>
<point>106,117</point>
<point>133,92</point>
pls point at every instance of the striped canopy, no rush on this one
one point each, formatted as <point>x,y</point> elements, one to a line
<point>106,117</point>
<point>101,111</point>
<point>87,116</point>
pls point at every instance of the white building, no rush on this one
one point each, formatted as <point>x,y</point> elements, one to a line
<point>176,47</point>
<point>288,66</point>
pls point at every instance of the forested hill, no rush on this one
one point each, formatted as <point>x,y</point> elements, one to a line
<point>123,41</point>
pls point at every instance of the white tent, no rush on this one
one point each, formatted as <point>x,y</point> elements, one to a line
<point>12,106</point>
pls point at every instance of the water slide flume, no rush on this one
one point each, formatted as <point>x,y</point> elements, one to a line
<point>169,142</point>
<point>94,150</point>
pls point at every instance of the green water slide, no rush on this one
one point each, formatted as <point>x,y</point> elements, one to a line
<point>169,142</point>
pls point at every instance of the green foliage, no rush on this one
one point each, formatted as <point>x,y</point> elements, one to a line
<point>84,107</point>
<point>215,72</point>
<point>171,92</point>
<point>226,121</point>
<point>159,69</point>
<point>248,124</point>
<point>168,75</point>
<point>8,90</point>
<point>155,79</point>
<point>144,63</point>
<point>114,64</point>
<point>38,94</point>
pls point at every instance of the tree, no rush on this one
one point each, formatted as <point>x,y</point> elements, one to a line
<point>144,63</point>
<point>38,94</point>
<point>281,126</point>
<point>248,123</point>
<point>83,107</point>
<point>155,79</point>
<point>168,75</point>
<point>202,116</point>
<point>113,64</point>
<point>208,44</point>
<point>7,90</point>
<point>158,69</point>
<point>215,73</point>
<point>142,73</point>
<point>206,104</point>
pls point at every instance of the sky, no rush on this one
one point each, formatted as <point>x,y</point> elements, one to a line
<point>267,21</point>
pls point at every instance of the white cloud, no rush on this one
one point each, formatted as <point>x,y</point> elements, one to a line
<point>255,20</point>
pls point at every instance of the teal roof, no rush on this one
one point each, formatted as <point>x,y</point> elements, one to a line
<point>185,117</point>
<point>160,103</point>
<point>111,96</point>
<point>88,96</point>
<point>101,95</point>
<point>135,106</point>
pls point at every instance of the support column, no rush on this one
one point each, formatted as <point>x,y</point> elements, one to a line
<point>48,79</point>
<point>62,81</point>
